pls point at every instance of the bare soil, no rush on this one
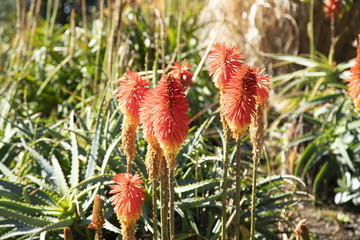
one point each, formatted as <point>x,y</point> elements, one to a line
<point>332,223</point>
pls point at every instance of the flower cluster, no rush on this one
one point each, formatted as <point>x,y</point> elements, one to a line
<point>242,87</point>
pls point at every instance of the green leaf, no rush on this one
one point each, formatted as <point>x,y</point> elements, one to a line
<point>108,154</point>
<point>42,162</point>
<point>309,150</point>
<point>53,226</point>
<point>304,138</point>
<point>32,221</point>
<point>60,179</point>
<point>193,186</point>
<point>29,208</point>
<point>91,163</point>
<point>18,232</point>
<point>306,62</point>
<point>74,177</point>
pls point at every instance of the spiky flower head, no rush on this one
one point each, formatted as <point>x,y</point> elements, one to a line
<point>332,8</point>
<point>182,73</point>
<point>354,80</point>
<point>146,113</point>
<point>132,87</point>
<point>239,100</point>
<point>98,219</point>
<point>129,195</point>
<point>263,88</point>
<point>168,119</point>
<point>225,60</point>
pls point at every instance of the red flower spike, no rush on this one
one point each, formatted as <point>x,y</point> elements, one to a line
<point>239,102</point>
<point>182,74</point>
<point>168,115</point>
<point>225,59</point>
<point>354,81</point>
<point>262,86</point>
<point>131,90</point>
<point>146,113</point>
<point>129,195</point>
<point>332,8</point>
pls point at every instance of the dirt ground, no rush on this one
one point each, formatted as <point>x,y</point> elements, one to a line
<point>330,223</point>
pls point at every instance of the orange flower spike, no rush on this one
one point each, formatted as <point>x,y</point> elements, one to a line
<point>332,8</point>
<point>146,113</point>
<point>131,90</point>
<point>262,86</point>
<point>354,80</point>
<point>170,119</point>
<point>182,73</point>
<point>129,195</point>
<point>239,100</point>
<point>225,59</point>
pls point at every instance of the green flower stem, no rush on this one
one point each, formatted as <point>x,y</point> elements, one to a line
<point>225,182</point>
<point>171,198</point>
<point>253,194</point>
<point>154,198</point>
<point>237,194</point>
<point>164,200</point>
<point>312,41</point>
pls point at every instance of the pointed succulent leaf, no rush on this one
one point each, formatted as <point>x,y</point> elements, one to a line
<point>29,208</point>
<point>19,233</point>
<point>197,185</point>
<point>54,226</point>
<point>74,177</point>
<point>60,179</point>
<point>30,220</point>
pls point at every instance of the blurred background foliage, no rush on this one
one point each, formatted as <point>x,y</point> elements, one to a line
<point>60,125</point>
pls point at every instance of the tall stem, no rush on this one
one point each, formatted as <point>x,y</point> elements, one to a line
<point>226,165</point>
<point>237,194</point>
<point>154,197</point>
<point>253,194</point>
<point>164,198</point>
<point>312,41</point>
<point>171,198</point>
<point>332,44</point>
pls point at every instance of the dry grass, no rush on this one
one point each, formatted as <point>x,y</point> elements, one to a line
<point>277,26</point>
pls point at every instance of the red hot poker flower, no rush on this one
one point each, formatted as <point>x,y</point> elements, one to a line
<point>131,90</point>
<point>239,101</point>
<point>146,113</point>
<point>354,81</point>
<point>129,195</point>
<point>169,116</point>
<point>332,8</point>
<point>262,86</point>
<point>225,59</point>
<point>182,73</point>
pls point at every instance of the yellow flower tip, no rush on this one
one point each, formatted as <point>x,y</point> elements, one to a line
<point>98,219</point>
<point>67,234</point>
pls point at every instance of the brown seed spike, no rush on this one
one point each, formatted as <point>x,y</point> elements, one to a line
<point>98,220</point>
<point>67,234</point>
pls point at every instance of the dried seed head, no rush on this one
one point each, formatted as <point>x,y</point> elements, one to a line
<point>98,220</point>
<point>67,234</point>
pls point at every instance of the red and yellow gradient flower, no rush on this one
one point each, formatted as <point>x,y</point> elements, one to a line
<point>154,152</point>
<point>166,115</point>
<point>182,74</point>
<point>332,8</point>
<point>129,195</point>
<point>131,90</point>
<point>262,86</point>
<point>354,81</point>
<point>225,60</point>
<point>239,102</point>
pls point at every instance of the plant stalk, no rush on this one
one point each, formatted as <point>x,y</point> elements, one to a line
<point>253,193</point>
<point>237,194</point>
<point>225,182</point>
<point>312,41</point>
<point>332,44</point>
<point>164,197</point>
<point>154,197</point>
<point>171,199</point>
